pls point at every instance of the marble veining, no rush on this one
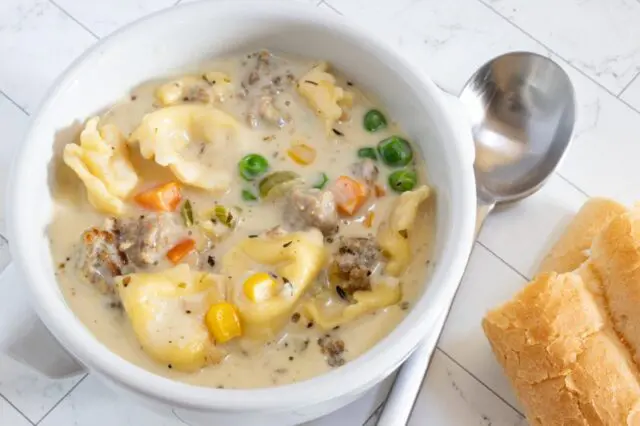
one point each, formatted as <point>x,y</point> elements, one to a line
<point>599,37</point>
<point>456,398</point>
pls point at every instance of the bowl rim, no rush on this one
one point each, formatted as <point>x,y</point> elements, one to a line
<point>367,369</point>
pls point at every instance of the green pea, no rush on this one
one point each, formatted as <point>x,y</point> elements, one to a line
<point>395,151</point>
<point>367,152</point>
<point>322,181</point>
<point>248,195</point>
<point>403,180</point>
<point>374,120</point>
<point>252,166</point>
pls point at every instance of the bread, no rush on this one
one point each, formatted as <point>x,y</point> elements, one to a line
<point>600,388</point>
<point>615,258</point>
<point>571,250</point>
<point>570,342</point>
<point>538,334</point>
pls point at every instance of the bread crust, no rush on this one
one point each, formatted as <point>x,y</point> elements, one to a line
<point>615,258</point>
<point>572,249</point>
<point>570,342</point>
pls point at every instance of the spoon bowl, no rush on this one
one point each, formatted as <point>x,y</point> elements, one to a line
<point>522,112</point>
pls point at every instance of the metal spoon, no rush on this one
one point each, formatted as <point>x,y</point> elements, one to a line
<point>521,107</point>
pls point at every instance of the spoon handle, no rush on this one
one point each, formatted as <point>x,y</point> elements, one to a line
<point>483,210</point>
<point>410,378</point>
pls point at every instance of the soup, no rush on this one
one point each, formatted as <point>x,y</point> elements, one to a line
<point>258,221</point>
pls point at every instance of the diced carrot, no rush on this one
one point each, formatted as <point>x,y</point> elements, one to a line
<point>302,154</point>
<point>165,197</point>
<point>368,220</point>
<point>350,194</point>
<point>180,250</point>
<point>380,192</point>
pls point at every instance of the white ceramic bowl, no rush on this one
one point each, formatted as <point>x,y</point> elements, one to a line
<point>164,43</point>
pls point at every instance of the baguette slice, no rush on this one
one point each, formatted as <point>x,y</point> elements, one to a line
<point>615,258</point>
<point>540,332</point>
<point>566,364</point>
<point>570,342</point>
<point>572,249</point>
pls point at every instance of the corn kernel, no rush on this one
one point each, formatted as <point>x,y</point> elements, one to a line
<point>259,287</point>
<point>223,322</point>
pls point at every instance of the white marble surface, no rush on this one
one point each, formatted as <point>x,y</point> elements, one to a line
<point>596,41</point>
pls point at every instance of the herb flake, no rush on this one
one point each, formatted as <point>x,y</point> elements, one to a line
<point>187,214</point>
<point>288,286</point>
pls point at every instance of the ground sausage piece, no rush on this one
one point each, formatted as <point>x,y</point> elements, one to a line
<point>332,349</point>
<point>145,239</point>
<point>98,259</point>
<point>264,108</point>
<point>366,169</point>
<point>355,261</point>
<point>263,61</point>
<point>261,87</point>
<point>312,208</point>
<point>123,244</point>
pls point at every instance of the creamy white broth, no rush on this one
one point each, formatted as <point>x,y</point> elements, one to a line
<point>294,354</point>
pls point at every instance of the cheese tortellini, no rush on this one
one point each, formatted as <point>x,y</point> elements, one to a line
<point>393,235</point>
<point>101,161</point>
<point>197,142</point>
<point>383,293</point>
<point>319,88</point>
<point>211,87</point>
<point>296,258</point>
<point>166,310</point>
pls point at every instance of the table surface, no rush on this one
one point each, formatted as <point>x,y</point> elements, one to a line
<point>596,41</point>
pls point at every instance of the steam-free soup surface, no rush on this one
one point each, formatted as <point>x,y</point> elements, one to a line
<point>189,280</point>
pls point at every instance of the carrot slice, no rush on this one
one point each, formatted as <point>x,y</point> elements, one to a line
<point>180,250</point>
<point>164,197</point>
<point>350,194</point>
